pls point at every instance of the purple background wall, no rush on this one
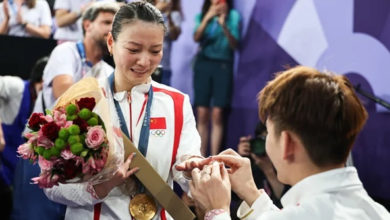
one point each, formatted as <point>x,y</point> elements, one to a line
<point>347,37</point>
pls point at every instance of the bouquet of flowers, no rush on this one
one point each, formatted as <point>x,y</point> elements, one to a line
<point>67,142</point>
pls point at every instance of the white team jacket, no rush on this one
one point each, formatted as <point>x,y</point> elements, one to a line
<point>80,203</point>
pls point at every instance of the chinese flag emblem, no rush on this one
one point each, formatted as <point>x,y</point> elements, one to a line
<point>158,123</point>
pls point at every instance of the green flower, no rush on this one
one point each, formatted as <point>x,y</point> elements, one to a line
<point>85,114</point>
<point>74,130</point>
<point>59,144</point>
<point>47,154</point>
<point>73,139</point>
<point>63,133</point>
<point>71,109</point>
<point>55,152</point>
<point>76,148</point>
<point>92,122</point>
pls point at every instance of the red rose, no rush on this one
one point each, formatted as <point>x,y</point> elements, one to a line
<point>50,130</point>
<point>88,103</point>
<point>71,169</point>
<point>82,124</point>
<point>35,121</point>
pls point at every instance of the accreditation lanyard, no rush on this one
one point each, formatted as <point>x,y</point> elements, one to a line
<point>144,136</point>
<point>85,63</point>
<point>11,3</point>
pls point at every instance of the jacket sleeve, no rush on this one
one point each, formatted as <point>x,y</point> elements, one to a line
<point>189,143</point>
<point>262,205</point>
<point>72,194</point>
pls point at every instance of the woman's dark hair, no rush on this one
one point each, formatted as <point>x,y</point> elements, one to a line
<point>140,10</point>
<point>37,70</point>
<point>207,4</point>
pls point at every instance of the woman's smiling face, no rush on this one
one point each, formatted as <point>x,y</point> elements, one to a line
<point>137,51</point>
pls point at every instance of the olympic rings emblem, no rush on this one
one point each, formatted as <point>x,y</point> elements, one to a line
<point>158,133</point>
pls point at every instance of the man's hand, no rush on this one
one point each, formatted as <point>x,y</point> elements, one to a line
<point>211,187</point>
<point>240,174</point>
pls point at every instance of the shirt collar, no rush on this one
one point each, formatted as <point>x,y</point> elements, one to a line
<point>329,181</point>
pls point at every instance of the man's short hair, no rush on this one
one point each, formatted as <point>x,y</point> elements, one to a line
<point>321,108</point>
<point>94,9</point>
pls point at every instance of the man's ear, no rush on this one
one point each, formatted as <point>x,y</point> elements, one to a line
<point>289,145</point>
<point>110,42</point>
<point>86,25</point>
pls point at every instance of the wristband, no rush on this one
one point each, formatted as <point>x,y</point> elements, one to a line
<point>24,24</point>
<point>212,213</point>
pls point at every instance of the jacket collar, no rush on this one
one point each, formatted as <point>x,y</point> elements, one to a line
<point>330,181</point>
<point>142,88</point>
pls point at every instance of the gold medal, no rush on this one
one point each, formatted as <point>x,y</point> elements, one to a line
<point>142,207</point>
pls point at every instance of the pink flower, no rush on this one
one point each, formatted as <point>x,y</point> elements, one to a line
<point>67,154</point>
<point>100,164</point>
<point>26,151</point>
<point>95,137</point>
<point>89,167</point>
<point>44,141</point>
<point>47,118</point>
<point>45,165</point>
<point>59,118</point>
<point>46,180</point>
<point>32,138</point>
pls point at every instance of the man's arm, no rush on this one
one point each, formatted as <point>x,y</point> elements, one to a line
<point>2,141</point>
<point>60,84</point>
<point>65,17</point>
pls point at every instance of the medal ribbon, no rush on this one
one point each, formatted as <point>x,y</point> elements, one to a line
<point>144,136</point>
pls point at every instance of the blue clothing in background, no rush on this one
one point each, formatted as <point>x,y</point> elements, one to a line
<point>13,136</point>
<point>29,201</point>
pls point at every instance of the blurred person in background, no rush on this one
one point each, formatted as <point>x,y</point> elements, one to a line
<point>25,18</point>
<point>263,171</point>
<point>68,18</point>
<point>171,10</point>
<point>217,31</point>
<point>68,63</point>
<point>17,98</point>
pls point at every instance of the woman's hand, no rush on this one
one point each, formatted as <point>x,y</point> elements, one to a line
<point>119,177</point>
<point>211,187</point>
<point>222,10</point>
<point>193,162</point>
<point>19,15</point>
<point>6,9</point>
<point>212,12</point>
